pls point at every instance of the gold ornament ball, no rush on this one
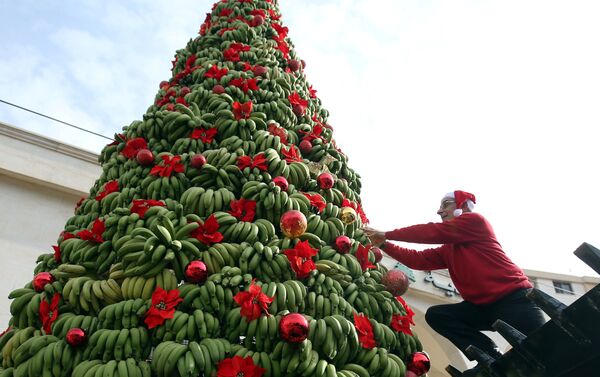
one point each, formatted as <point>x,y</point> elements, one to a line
<point>348,215</point>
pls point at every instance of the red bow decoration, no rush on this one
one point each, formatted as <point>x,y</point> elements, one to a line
<point>140,206</point>
<point>365,331</point>
<point>253,302</point>
<point>291,154</point>
<point>57,255</point>
<point>163,307</point>
<point>208,232</point>
<point>189,68</point>
<point>133,146</point>
<point>94,235</point>
<point>362,254</point>
<point>300,258</point>
<point>109,188</point>
<point>243,209</point>
<point>298,102</point>
<point>316,201</point>
<point>276,130</point>
<point>242,110</point>
<point>49,312</point>
<point>401,323</point>
<point>358,208</point>
<point>215,72</point>
<point>205,135</point>
<point>238,366</point>
<point>259,161</point>
<point>244,84</point>
<point>170,164</point>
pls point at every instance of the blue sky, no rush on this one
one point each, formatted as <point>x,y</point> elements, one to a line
<point>496,98</point>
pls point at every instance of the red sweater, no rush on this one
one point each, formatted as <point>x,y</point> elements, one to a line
<point>478,266</point>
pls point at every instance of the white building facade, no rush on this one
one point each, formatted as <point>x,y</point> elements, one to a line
<point>41,180</point>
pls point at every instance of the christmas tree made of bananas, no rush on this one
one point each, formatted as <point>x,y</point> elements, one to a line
<point>178,263</point>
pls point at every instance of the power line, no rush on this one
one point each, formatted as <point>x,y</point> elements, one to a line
<point>56,120</point>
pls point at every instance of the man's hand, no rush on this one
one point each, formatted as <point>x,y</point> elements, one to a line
<point>377,237</point>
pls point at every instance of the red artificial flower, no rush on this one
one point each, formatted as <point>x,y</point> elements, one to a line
<point>247,67</point>
<point>316,201</point>
<point>258,12</point>
<point>94,235</point>
<point>133,146</point>
<point>362,254</point>
<point>291,154</point>
<point>365,331</point>
<point>208,233</point>
<point>239,47</point>
<point>215,72</point>
<point>189,68</point>
<point>225,12</point>
<point>314,133</point>
<point>80,202</point>
<point>166,98</point>
<point>409,312</point>
<point>181,101</point>
<point>358,208</point>
<point>66,235</point>
<point>402,323</point>
<point>245,1</point>
<point>238,366</point>
<point>109,188</point>
<point>206,136</point>
<point>206,24</point>
<point>243,209</point>
<point>231,55</point>
<point>276,130</point>
<point>311,92</point>
<point>300,258</point>
<point>297,101</point>
<point>163,306</point>
<point>170,164</point>
<point>57,256</point>
<point>118,138</point>
<point>140,206</point>
<point>283,47</point>
<point>253,302</point>
<point>323,125</point>
<point>282,31</point>
<point>242,110</point>
<point>49,312</point>
<point>244,84</point>
<point>274,16</point>
<point>222,31</point>
<point>259,161</point>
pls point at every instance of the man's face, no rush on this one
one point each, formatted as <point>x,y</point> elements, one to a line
<point>446,210</point>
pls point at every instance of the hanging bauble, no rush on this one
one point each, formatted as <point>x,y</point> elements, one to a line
<point>293,328</point>
<point>348,215</point>
<point>293,224</point>
<point>196,272</point>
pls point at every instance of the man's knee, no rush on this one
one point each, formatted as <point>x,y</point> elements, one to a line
<point>435,316</point>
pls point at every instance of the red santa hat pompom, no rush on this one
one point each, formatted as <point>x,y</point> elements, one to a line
<point>460,198</point>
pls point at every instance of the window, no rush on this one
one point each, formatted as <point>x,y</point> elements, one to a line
<point>563,287</point>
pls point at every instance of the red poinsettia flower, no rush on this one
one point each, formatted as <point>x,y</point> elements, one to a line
<point>258,12</point>
<point>316,201</point>
<point>66,235</point>
<point>238,366</point>
<point>57,256</point>
<point>244,84</point>
<point>94,235</point>
<point>282,31</point>
<point>166,99</point>
<point>189,68</point>
<point>362,254</point>
<point>109,187</point>
<point>358,208</point>
<point>298,102</point>
<point>216,72</point>
<point>180,100</point>
<point>247,67</point>
<point>231,55</point>
<point>205,135</point>
<point>243,209</point>
<point>315,133</point>
<point>365,331</point>
<point>323,125</point>
<point>311,92</point>
<point>242,110</point>
<point>291,154</point>
<point>170,164</point>
<point>253,302</point>
<point>118,138</point>
<point>206,24</point>
<point>140,206</point>
<point>276,130</point>
<point>49,312</point>
<point>225,12</point>
<point>259,161</point>
<point>163,307</point>
<point>133,146</point>
<point>300,258</point>
<point>274,16</point>
<point>284,48</point>
<point>208,232</point>
<point>401,323</point>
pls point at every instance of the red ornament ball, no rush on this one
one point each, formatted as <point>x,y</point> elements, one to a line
<point>343,244</point>
<point>259,70</point>
<point>144,157</point>
<point>294,65</point>
<point>198,161</point>
<point>303,63</point>
<point>293,224</point>
<point>218,89</point>
<point>396,282</point>
<point>184,91</point>
<point>293,328</point>
<point>76,337</point>
<point>418,363</point>
<point>378,254</point>
<point>325,180</point>
<point>281,182</point>
<point>410,374</point>
<point>298,110</point>
<point>196,272</point>
<point>40,280</point>
<point>258,20</point>
<point>305,146</point>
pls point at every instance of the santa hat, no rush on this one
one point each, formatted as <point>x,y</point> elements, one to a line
<point>460,198</point>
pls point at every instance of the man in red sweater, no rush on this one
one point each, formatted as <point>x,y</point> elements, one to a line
<point>492,286</point>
